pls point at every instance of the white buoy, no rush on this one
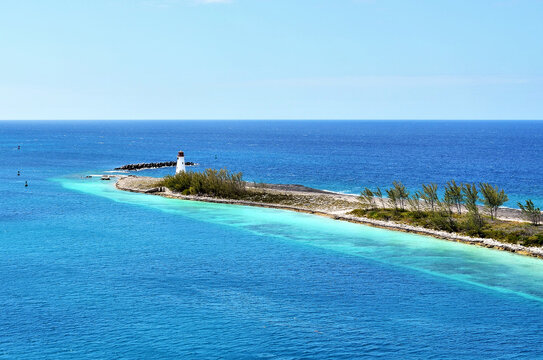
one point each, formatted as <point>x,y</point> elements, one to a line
<point>180,162</point>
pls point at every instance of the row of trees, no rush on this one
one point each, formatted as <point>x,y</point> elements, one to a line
<point>455,198</point>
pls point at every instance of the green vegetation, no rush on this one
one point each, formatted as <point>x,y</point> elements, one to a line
<point>453,195</point>
<point>379,195</point>
<point>429,194</point>
<point>474,220</point>
<point>219,183</point>
<point>368,196</point>
<point>414,201</point>
<point>532,213</point>
<point>456,211</point>
<point>493,198</point>
<point>506,231</point>
<point>426,209</point>
<point>398,194</point>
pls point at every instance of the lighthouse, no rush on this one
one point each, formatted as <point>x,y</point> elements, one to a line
<point>180,162</point>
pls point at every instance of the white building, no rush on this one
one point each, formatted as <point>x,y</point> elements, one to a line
<point>180,162</point>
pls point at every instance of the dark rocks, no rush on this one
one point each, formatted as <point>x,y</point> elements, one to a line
<point>154,165</point>
<point>147,165</point>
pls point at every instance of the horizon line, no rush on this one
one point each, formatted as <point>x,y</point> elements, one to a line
<point>271,119</point>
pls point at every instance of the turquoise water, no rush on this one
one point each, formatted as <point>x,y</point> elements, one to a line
<point>91,272</point>
<point>469,264</point>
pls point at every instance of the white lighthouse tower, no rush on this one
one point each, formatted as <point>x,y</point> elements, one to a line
<point>180,162</point>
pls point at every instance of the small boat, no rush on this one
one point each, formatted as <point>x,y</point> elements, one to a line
<point>105,177</point>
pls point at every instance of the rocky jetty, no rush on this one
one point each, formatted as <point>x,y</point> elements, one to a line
<point>154,165</point>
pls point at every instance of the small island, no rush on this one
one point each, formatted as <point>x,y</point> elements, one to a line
<point>457,215</point>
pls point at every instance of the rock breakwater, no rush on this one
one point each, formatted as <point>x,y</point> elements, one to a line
<point>153,165</point>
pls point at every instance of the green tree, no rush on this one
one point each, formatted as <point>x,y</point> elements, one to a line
<point>414,201</point>
<point>531,212</point>
<point>429,195</point>
<point>401,193</point>
<point>367,197</point>
<point>392,197</point>
<point>493,198</point>
<point>379,194</point>
<point>471,196</point>
<point>453,195</point>
<point>447,203</point>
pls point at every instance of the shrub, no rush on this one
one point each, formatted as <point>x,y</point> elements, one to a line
<point>473,224</point>
<point>534,240</point>
<point>441,220</point>
<point>220,183</point>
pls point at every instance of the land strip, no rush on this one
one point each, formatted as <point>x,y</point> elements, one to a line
<point>333,205</point>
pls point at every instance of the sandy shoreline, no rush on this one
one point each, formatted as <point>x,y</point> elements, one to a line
<point>332,205</point>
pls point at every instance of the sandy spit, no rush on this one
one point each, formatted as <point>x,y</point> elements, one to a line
<point>331,205</point>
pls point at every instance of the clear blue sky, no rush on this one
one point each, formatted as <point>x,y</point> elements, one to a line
<point>271,59</point>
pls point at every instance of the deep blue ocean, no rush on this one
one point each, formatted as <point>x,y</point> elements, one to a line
<point>87,271</point>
